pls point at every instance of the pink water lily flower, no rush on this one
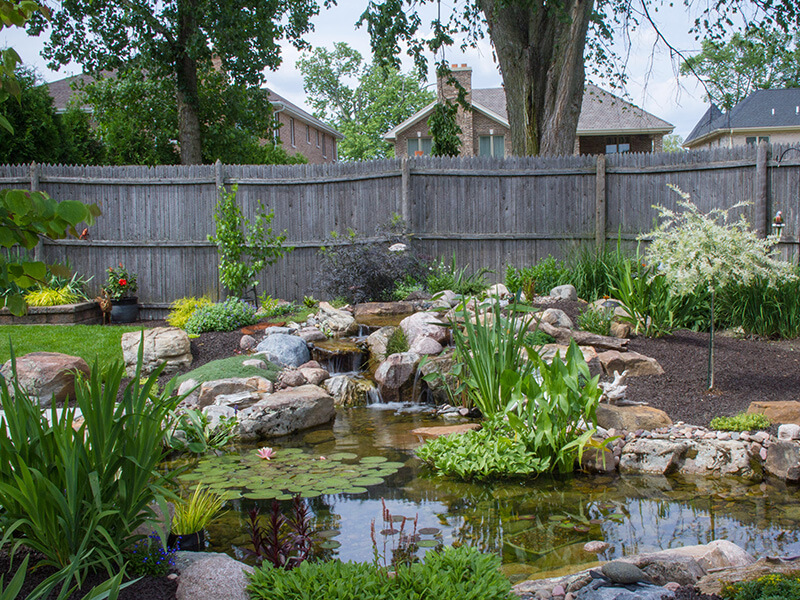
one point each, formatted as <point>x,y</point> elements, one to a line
<point>266,453</point>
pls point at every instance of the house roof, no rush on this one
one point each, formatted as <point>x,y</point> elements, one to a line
<point>763,109</point>
<point>601,113</point>
<point>63,91</point>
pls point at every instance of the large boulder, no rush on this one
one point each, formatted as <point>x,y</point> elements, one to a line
<point>379,313</point>
<point>211,576</point>
<point>285,350</point>
<point>631,418</point>
<point>350,391</point>
<point>652,456</point>
<point>395,375</point>
<point>564,292</point>
<point>424,324</point>
<point>249,388</point>
<point>377,341</point>
<point>444,384</point>
<point>337,322</point>
<point>48,376</point>
<point>425,346</point>
<point>784,411</point>
<point>285,412</point>
<point>162,345</point>
<point>634,363</point>
<point>783,460</point>
<point>557,318</point>
<point>716,555</point>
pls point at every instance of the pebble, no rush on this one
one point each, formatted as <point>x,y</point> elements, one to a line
<point>596,546</point>
<point>569,596</point>
<point>735,436</point>
<point>672,586</point>
<point>723,435</point>
<point>760,437</point>
<point>172,576</point>
<point>763,454</point>
<point>559,591</point>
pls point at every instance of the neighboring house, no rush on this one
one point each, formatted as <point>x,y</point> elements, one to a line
<point>766,115</point>
<point>607,124</point>
<point>300,132</point>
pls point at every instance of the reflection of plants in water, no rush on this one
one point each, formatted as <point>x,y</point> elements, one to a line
<point>401,540</point>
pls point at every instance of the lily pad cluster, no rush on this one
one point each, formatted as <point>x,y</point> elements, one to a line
<point>290,472</point>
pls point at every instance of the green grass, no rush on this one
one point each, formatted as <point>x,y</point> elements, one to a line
<point>90,342</point>
<point>230,367</point>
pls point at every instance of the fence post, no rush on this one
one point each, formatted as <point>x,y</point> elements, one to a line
<point>761,216</point>
<point>405,194</point>
<point>600,205</point>
<point>219,178</point>
<point>35,172</point>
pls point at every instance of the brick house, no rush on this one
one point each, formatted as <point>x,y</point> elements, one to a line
<point>771,116</point>
<point>607,123</point>
<point>299,131</point>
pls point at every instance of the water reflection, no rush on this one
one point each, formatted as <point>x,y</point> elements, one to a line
<point>537,527</point>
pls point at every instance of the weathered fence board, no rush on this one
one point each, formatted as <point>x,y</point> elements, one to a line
<point>489,212</point>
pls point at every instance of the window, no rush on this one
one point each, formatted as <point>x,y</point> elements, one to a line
<point>617,144</point>
<point>308,134</point>
<point>291,130</point>
<point>317,138</point>
<point>491,145</point>
<point>324,145</point>
<point>756,140</point>
<point>419,146</point>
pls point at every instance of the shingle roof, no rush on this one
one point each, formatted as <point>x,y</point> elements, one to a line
<point>302,114</point>
<point>763,109</point>
<point>601,112</point>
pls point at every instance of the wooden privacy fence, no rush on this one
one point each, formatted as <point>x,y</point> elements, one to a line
<point>490,212</point>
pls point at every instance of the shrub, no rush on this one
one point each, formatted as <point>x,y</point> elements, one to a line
<point>223,316</point>
<point>405,288</point>
<point>366,271</point>
<point>75,492</point>
<point>596,320</point>
<point>538,279</point>
<point>397,342</point>
<point>51,297</point>
<point>148,557</point>
<point>182,309</point>
<point>121,283</point>
<point>57,289</point>
<point>767,587</point>
<point>762,309</point>
<point>453,574</point>
<point>444,276</point>
<point>741,422</point>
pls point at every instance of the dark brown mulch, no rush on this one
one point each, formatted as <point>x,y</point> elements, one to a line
<point>147,588</point>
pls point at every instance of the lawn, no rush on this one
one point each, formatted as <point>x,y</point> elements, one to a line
<point>90,342</point>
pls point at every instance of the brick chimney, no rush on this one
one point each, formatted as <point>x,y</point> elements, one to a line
<point>463,75</point>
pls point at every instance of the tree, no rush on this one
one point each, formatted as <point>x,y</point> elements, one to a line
<point>672,143</point>
<point>175,40</point>
<point>758,59</point>
<point>138,127</point>
<point>692,248</point>
<point>542,46</point>
<point>381,98</point>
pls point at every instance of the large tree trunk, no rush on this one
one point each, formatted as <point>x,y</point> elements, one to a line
<point>540,51</point>
<point>187,95</point>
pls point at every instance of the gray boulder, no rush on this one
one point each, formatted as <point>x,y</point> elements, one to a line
<point>564,292</point>
<point>162,345</point>
<point>248,386</point>
<point>657,457</point>
<point>424,324</point>
<point>211,576</point>
<point>338,322</point>
<point>377,340</point>
<point>285,350</point>
<point>285,412</point>
<point>557,318</point>
<point>47,376</point>
<point>783,460</point>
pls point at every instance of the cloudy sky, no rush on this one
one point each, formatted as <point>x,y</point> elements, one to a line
<point>653,83</point>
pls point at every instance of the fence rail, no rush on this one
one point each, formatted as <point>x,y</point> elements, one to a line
<point>490,212</point>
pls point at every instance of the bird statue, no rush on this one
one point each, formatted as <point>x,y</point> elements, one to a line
<point>778,220</point>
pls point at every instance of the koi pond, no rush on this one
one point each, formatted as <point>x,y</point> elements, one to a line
<point>366,460</point>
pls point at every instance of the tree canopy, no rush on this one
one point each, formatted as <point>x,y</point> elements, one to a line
<point>542,47</point>
<point>758,59</point>
<point>378,98</point>
<point>175,40</point>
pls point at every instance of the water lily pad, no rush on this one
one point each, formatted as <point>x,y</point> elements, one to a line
<point>373,459</point>
<point>330,544</point>
<point>399,518</point>
<point>428,543</point>
<point>284,497</point>
<point>355,490</point>
<point>362,481</point>
<point>429,531</point>
<point>391,465</point>
<point>389,531</point>
<point>342,456</point>
<point>328,533</point>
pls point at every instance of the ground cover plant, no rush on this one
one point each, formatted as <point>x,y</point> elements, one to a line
<point>741,422</point>
<point>596,320</point>
<point>452,574</point>
<point>225,368</point>
<point>767,587</point>
<point>222,316</point>
<point>56,290</point>
<point>90,342</point>
<point>75,492</point>
<point>181,310</point>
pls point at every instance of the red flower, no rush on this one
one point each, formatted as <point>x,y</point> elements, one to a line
<point>123,282</point>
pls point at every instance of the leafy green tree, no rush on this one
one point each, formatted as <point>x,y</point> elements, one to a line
<point>542,47</point>
<point>175,41</point>
<point>672,143</point>
<point>758,59</point>
<point>444,129</point>
<point>381,98</point>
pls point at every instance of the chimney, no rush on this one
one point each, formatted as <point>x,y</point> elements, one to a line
<point>463,75</point>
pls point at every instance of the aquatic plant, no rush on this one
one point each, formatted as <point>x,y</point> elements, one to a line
<point>196,512</point>
<point>285,542</point>
<point>289,472</point>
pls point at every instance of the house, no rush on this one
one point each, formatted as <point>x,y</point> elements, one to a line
<point>607,123</point>
<point>300,132</point>
<point>765,115</point>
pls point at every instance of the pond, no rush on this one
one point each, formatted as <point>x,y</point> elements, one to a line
<point>539,527</point>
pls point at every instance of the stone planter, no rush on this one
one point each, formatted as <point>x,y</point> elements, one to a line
<point>125,310</point>
<point>82,313</point>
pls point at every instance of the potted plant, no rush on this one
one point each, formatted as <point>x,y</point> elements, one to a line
<point>121,289</point>
<point>191,517</point>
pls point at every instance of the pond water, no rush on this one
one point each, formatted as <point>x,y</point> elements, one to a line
<point>538,527</point>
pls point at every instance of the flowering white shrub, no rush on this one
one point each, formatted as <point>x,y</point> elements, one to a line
<point>691,248</point>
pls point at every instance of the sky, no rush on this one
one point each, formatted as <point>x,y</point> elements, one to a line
<point>653,83</point>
